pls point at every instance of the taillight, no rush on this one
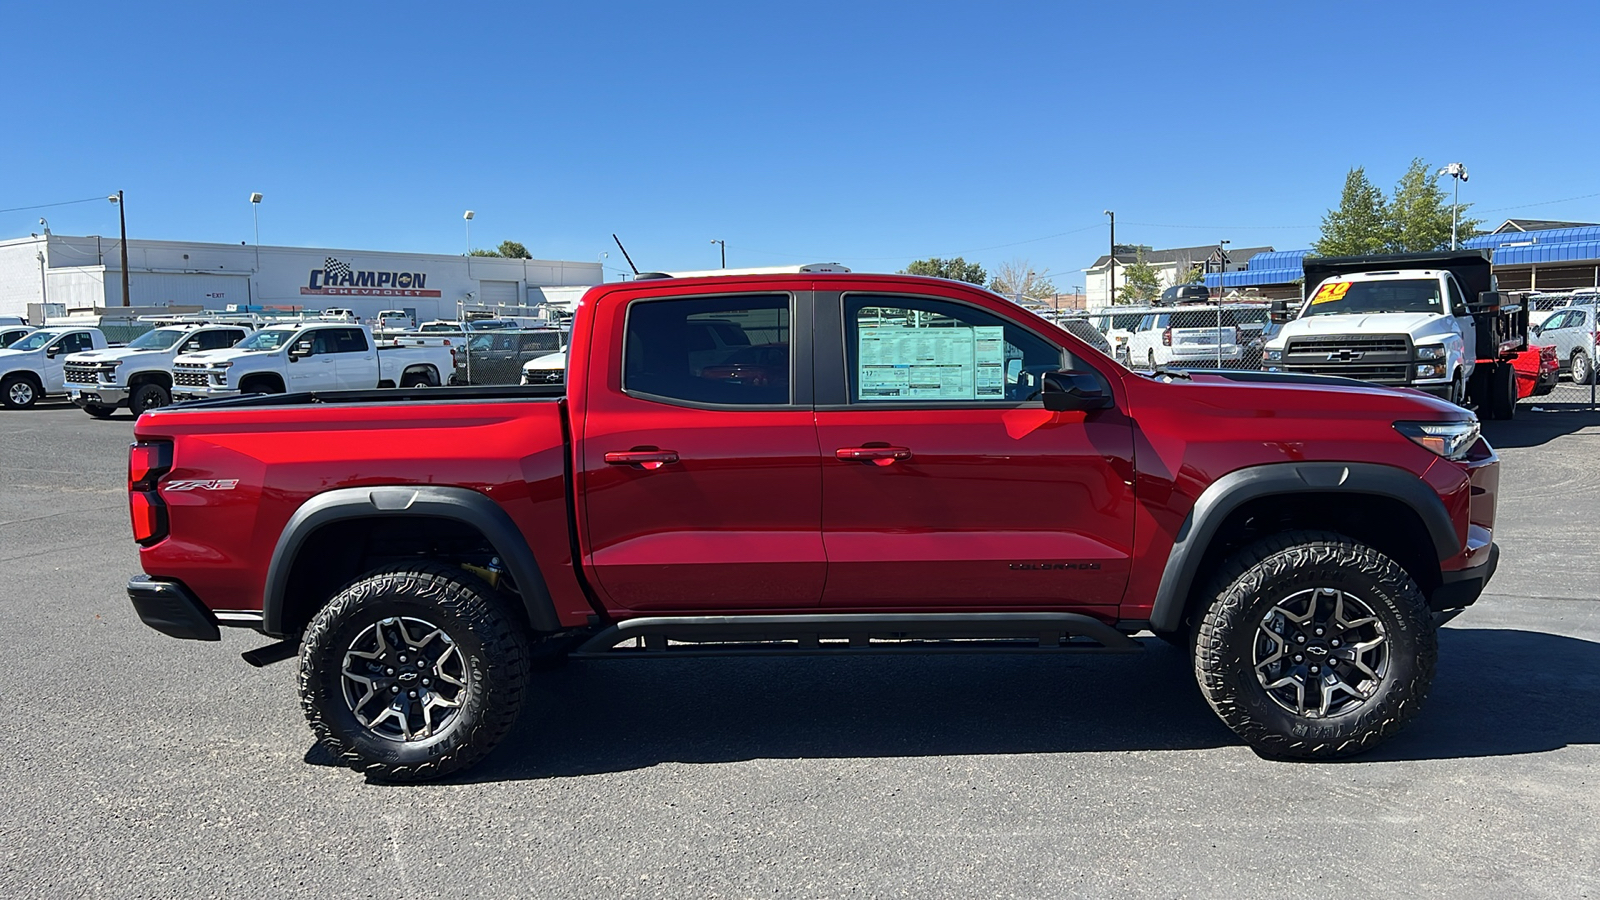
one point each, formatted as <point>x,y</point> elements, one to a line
<point>1166,337</point>
<point>147,462</point>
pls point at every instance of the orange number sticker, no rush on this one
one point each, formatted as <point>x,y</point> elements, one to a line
<point>1331,291</point>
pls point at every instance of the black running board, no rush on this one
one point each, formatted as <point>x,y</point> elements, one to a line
<point>814,634</point>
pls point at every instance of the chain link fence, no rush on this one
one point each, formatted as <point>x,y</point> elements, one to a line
<point>497,357</point>
<point>1233,335</point>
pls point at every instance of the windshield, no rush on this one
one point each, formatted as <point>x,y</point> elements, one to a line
<point>491,325</point>
<point>1402,295</point>
<point>482,342</point>
<point>160,339</point>
<point>266,339</point>
<point>35,341</point>
<point>437,327</point>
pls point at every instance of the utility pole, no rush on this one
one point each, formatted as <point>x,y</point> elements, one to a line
<point>1111,264</point>
<point>122,221</point>
<point>723,246</point>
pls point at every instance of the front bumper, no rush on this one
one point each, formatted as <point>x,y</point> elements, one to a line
<point>169,608</point>
<point>185,392</point>
<point>97,395</point>
<point>1462,587</point>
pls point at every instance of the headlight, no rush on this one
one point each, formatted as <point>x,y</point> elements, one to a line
<point>1430,370</point>
<point>1274,355</point>
<point>1450,440</point>
<point>1434,351</point>
<point>221,365</point>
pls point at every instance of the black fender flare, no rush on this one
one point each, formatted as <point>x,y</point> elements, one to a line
<point>461,504</point>
<point>1236,488</point>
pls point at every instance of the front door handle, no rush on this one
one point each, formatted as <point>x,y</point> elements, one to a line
<point>641,457</point>
<point>876,454</point>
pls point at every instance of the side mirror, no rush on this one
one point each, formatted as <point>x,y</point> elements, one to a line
<point>303,348</point>
<point>52,350</point>
<point>1279,313</point>
<point>1074,392</point>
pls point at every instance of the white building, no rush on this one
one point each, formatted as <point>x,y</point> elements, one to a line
<point>85,272</point>
<point>1170,266</point>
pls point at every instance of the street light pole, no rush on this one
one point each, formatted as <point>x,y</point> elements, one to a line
<point>122,222</point>
<point>255,207</point>
<point>1111,263</point>
<point>1457,171</point>
<point>467,218</point>
<point>723,246</point>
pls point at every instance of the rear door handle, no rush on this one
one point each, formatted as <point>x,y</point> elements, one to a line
<point>876,454</point>
<point>642,458</point>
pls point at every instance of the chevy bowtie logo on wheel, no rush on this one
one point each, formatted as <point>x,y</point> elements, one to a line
<point>1345,356</point>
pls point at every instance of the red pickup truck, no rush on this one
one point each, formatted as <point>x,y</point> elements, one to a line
<point>930,468</point>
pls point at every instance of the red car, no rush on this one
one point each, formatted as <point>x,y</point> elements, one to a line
<point>929,469</point>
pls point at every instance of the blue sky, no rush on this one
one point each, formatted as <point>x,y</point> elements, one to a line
<point>865,133</point>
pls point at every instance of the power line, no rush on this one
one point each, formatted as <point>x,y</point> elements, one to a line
<point>904,255</point>
<point>48,205</point>
<point>1540,203</point>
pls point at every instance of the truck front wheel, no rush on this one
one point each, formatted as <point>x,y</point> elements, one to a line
<point>412,672</point>
<point>18,392</point>
<point>147,397</point>
<point>1315,646</point>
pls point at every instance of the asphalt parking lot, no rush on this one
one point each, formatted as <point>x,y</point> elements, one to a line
<point>135,765</point>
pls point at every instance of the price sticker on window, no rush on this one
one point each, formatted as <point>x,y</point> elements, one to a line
<point>1331,291</point>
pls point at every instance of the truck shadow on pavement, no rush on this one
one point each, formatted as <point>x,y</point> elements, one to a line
<point>1535,429</point>
<point>1498,692</point>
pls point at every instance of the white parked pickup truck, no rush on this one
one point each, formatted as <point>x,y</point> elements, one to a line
<point>1430,321</point>
<point>313,356</point>
<point>34,366</point>
<point>139,375</point>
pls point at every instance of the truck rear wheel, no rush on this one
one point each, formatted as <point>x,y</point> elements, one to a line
<point>1315,646</point>
<point>1582,369</point>
<point>412,672</point>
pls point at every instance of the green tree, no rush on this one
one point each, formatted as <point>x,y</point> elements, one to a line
<point>1361,225</point>
<point>1420,213</point>
<point>507,250</point>
<point>1141,282</point>
<point>1195,274</point>
<point>956,269</point>
<point>1017,279</point>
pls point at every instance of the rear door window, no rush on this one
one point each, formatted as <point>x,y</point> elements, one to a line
<point>708,350</point>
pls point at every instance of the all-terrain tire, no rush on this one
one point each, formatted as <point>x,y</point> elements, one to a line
<point>19,392</point>
<point>493,654</point>
<point>1272,571</point>
<point>146,397</point>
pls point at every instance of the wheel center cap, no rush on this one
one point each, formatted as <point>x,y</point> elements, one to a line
<point>408,676</point>
<point>1317,649</point>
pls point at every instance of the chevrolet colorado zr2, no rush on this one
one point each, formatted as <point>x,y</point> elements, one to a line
<point>930,469</point>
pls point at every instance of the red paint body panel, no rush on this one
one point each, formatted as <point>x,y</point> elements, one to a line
<point>758,513</point>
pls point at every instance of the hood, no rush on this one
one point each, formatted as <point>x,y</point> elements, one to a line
<point>207,357</point>
<point>546,363</point>
<point>87,356</point>
<point>7,356</point>
<point>1394,399</point>
<point>1414,324</point>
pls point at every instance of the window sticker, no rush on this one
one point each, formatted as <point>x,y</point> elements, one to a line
<point>903,362</point>
<point>1331,291</point>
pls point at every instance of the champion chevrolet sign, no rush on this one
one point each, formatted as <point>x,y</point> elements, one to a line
<point>336,278</point>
